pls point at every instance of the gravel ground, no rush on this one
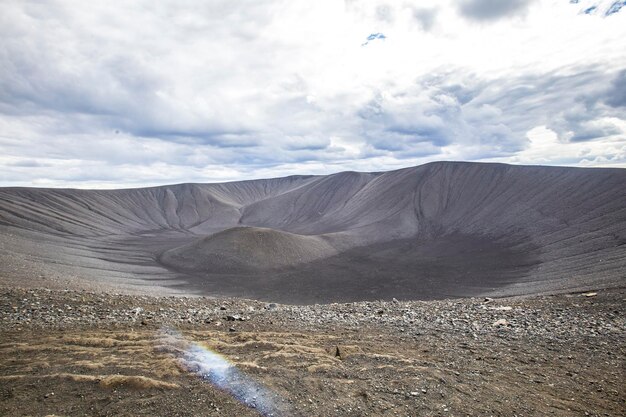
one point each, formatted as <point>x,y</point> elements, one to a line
<point>81,353</point>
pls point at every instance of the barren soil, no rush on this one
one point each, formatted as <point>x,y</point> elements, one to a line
<point>139,302</point>
<point>435,231</point>
<point>77,353</point>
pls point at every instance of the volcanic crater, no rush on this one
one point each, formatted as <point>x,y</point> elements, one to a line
<point>446,229</point>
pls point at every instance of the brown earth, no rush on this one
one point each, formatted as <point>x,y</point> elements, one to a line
<point>69,353</point>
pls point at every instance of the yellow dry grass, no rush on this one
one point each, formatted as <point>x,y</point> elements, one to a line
<point>105,381</point>
<point>135,381</point>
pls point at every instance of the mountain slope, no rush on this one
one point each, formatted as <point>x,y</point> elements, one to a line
<point>436,230</point>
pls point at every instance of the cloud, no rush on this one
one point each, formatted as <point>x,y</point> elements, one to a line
<point>384,12</point>
<point>457,108</point>
<point>425,17</point>
<point>486,10</point>
<point>616,96</point>
<point>111,95</point>
<point>27,163</point>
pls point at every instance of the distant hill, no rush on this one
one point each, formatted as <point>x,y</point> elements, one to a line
<point>443,229</point>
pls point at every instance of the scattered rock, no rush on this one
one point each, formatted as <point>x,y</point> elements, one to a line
<point>444,343</point>
<point>235,317</point>
<point>343,351</point>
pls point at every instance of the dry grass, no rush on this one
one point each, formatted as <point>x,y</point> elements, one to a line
<point>101,342</point>
<point>65,376</point>
<point>135,381</point>
<point>251,366</point>
<point>105,381</point>
<point>89,364</point>
<point>321,368</point>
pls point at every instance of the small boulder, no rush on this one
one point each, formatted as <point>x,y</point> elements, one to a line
<point>500,323</point>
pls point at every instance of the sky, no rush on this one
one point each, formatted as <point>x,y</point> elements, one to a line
<point>104,94</point>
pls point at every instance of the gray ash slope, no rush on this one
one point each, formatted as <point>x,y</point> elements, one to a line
<point>438,230</point>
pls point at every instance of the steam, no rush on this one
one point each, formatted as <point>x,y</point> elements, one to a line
<point>219,371</point>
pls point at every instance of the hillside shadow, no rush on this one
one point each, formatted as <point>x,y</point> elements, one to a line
<point>409,269</point>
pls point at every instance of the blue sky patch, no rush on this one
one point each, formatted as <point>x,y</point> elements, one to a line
<point>373,37</point>
<point>616,7</point>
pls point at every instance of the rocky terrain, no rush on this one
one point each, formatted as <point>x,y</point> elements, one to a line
<point>81,353</point>
<point>448,289</point>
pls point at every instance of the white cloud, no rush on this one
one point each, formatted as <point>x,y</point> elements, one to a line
<point>546,149</point>
<point>138,93</point>
<point>485,10</point>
